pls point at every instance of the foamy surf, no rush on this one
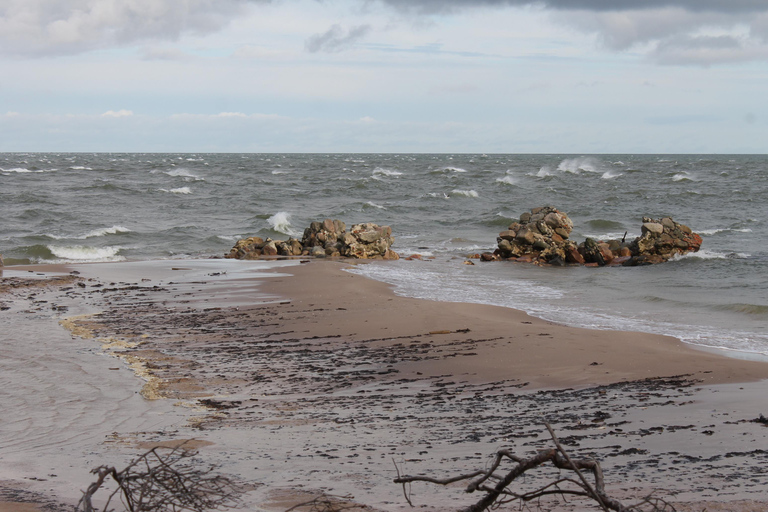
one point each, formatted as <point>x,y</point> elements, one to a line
<point>83,253</point>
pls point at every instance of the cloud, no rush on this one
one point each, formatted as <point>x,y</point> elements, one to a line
<point>335,39</point>
<point>680,32</point>
<point>60,27</point>
<point>706,50</point>
<point>439,6</point>
<point>117,113</point>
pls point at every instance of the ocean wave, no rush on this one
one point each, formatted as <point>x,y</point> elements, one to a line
<point>180,190</point>
<point>544,172</point>
<point>380,171</point>
<point>604,224</point>
<point>608,175</point>
<point>184,173</point>
<point>746,309</point>
<point>113,230</point>
<point>22,170</point>
<point>507,180</point>
<point>576,165</point>
<point>464,193</point>
<point>80,168</point>
<point>683,176</point>
<point>441,195</point>
<point>371,204</point>
<point>705,254</point>
<point>84,253</point>
<point>710,232</point>
<point>281,222</point>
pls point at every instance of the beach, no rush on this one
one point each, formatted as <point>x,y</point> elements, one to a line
<point>301,378</point>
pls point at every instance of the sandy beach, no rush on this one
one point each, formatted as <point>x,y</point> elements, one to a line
<point>302,379</point>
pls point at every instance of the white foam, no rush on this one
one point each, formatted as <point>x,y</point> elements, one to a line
<point>710,232</point>
<point>180,190</point>
<point>441,195</point>
<point>507,180</point>
<point>380,171</point>
<point>107,231</point>
<point>281,222</point>
<point>80,168</point>
<point>544,172</point>
<point>705,254</point>
<point>464,193</point>
<point>455,169</point>
<point>608,175</point>
<point>21,170</point>
<point>86,253</point>
<point>683,176</point>
<point>374,205</point>
<point>184,173</point>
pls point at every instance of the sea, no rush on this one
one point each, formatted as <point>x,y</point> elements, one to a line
<point>101,207</point>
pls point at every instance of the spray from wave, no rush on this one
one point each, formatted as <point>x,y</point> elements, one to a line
<point>281,222</point>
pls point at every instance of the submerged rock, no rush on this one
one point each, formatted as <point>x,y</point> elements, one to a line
<point>328,238</point>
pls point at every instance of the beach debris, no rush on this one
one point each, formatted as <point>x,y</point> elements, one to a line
<point>329,238</point>
<point>162,479</point>
<point>496,486</point>
<point>542,236</point>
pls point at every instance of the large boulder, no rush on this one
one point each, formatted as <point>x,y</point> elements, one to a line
<point>328,238</point>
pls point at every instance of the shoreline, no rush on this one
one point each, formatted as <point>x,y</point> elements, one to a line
<point>305,376</point>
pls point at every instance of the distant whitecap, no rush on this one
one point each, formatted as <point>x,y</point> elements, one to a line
<point>465,193</point>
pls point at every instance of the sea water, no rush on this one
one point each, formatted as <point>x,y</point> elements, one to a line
<point>113,207</point>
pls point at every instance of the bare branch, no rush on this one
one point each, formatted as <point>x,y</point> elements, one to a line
<point>501,492</point>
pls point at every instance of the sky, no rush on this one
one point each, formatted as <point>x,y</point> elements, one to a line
<point>384,76</point>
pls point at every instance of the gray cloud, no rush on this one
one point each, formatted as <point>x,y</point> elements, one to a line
<point>335,39</point>
<point>673,28</point>
<point>706,51</point>
<point>58,27</point>
<point>731,6</point>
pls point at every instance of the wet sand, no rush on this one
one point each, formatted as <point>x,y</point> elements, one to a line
<point>305,379</point>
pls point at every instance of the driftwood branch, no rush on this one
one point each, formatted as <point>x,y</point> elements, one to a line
<point>501,491</point>
<point>162,480</point>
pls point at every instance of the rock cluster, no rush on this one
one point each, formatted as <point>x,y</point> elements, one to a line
<point>543,236</point>
<point>329,238</point>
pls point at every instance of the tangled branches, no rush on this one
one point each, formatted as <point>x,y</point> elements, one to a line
<point>497,486</point>
<point>162,479</point>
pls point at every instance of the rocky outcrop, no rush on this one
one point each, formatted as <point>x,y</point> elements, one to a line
<point>328,238</point>
<point>540,235</point>
<point>663,239</point>
<point>543,236</point>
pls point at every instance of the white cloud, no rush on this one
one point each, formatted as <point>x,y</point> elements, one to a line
<point>231,114</point>
<point>117,113</point>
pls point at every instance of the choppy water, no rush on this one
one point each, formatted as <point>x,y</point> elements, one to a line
<point>110,207</point>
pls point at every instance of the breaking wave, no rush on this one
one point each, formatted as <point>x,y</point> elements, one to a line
<point>281,222</point>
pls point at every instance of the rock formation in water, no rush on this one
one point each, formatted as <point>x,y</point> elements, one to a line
<point>543,236</point>
<point>329,238</point>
